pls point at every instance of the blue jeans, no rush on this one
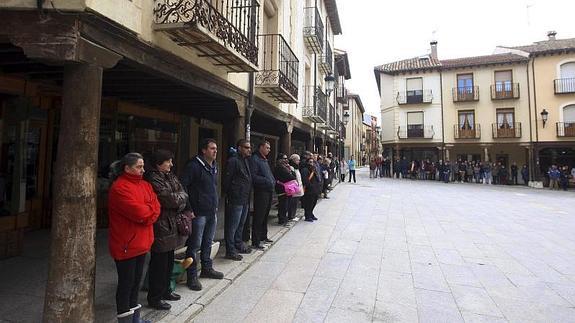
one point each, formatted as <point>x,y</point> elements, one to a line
<point>234,226</point>
<point>202,237</point>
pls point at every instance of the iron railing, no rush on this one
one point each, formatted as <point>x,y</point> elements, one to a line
<point>415,131</point>
<point>332,117</point>
<point>278,74</point>
<point>341,91</point>
<point>233,22</point>
<point>313,31</point>
<point>565,129</point>
<point>566,85</point>
<point>467,131</point>
<point>326,61</point>
<point>506,130</point>
<point>315,105</point>
<point>465,93</point>
<point>504,90</point>
<point>415,97</point>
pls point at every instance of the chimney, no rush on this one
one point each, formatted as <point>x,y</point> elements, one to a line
<point>433,49</point>
<point>551,34</point>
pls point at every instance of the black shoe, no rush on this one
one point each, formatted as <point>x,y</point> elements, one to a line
<point>314,218</point>
<point>235,257</point>
<point>282,222</point>
<point>245,250</point>
<point>308,220</point>
<point>266,240</point>
<point>194,284</point>
<point>258,246</point>
<point>211,273</point>
<point>172,297</point>
<point>160,305</point>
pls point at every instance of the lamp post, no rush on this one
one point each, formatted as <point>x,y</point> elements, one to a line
<point>329,86</point>
<point>544,116</point>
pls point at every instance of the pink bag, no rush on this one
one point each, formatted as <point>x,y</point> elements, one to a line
<point>291,188</point>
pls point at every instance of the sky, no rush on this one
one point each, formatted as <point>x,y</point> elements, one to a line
<point>375,32</point>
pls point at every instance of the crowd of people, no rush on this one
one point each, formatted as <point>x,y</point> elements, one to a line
<point>153,211</point>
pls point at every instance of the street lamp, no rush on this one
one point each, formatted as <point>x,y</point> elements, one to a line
<point>345,118</point>
<point>544,116</point>
<point>329,83</point>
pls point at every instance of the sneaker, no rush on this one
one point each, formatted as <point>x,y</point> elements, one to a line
<point>211,273</point>
<point>235,257</point>
<point>194,284</point>
<point>245,250</point>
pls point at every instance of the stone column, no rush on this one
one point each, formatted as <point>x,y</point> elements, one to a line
<point>71,277</point>
<point>486,153</point>
<point>285,140</point>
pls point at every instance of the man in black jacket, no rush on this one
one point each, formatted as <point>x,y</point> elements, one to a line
<point>264,183</point>
<point>200,181</point>
<point>237,185</point>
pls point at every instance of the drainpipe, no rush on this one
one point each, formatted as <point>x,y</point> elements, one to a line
<point>442,119</point>
<point>251,78</point>
<point>530,158</point>
<point>535,154</point>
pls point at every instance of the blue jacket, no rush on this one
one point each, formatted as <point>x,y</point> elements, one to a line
<point>200,181</point>
<point>262,176</point>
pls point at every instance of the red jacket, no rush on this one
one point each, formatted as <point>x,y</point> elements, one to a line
<point>133,208</point>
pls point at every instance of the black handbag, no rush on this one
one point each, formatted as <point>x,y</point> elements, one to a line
<point>184,223</point>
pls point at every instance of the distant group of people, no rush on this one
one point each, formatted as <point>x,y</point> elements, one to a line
<point>152,210</point>
<point>559,176</point>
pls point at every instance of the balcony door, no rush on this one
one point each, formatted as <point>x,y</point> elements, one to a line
<point>569,120</point>
<point>504,84</point>
<point>466,124</point>
<point>566,83</point>
<point>414,90</point>
<point>415,124</point>
<point>505,123</point>
<point>464,87</point>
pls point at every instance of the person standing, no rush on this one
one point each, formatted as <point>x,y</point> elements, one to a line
<point>312,189</point>
<point>554,175</point>
<point>372,168</point>
<point>487,173</point>
<point>173,201</point>
<point>294,162</point>
<point>200,180</point>
<point>514,171</point>
<point>283,174</point>
<point>237,184</point>
<point>133,207</point>
<point>343,169</point>
<point>351,166</point>
<point>263,183</point>
<point>525,174</point>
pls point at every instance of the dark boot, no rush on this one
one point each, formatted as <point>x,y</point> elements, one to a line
<point>126,317</point>
<point>193,282</point>
<point>211,273</point>
<point>136,317</point>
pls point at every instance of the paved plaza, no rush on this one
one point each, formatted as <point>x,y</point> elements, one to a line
<point>406,251</point>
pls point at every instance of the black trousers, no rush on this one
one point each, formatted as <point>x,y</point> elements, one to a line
<point>283,205</point>
<point>262,206</point>
<point>292,207</point>
<point>129,277</point>
<point>309,202</point>
<point>159,274</point>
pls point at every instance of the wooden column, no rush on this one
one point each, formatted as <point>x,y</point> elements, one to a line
<point>71,278</point>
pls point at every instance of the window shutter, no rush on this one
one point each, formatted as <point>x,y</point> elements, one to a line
<point>569,113</point>
<point>568,71</point>
<point>414,84</point>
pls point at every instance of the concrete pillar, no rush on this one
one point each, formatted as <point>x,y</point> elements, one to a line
<point>285,143</point>
<point>71,278</point>
<point>447,154</point>
<point>486,153</point>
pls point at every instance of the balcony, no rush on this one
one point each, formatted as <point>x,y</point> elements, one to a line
<point>416,131</point>
<point>278,75</point>
<point>341,91</point>
<point>332,118</point>
<point>465,93</point>
<point>222,31</point>
<point>467,131</point>
<point>326,60</point>
<point>315,105</point>
<point>504,91</point>
<point>565,129</point>
<point>563,86</point>
<point>313,30</point>
<point>506,130</point>
<point>414,97</point>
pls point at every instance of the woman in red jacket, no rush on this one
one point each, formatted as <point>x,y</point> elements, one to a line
<point>133,208</point>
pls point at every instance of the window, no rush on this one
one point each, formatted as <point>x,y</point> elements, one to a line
<point>505,118</point>
<point>466,120</point>
<point>465,87</point>
<point>414,87</point>
<point>415,124</point>
<point>503,81</point>
<point>568,70</point>
<point>569,113</point>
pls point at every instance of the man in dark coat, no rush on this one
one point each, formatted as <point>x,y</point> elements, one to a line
<point>200,181</point>
<point>237,183</point>
<point>264,184</point>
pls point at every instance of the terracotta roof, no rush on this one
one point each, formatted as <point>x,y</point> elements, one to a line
<point>547,46</point>
<point>332,13</point>
<point>483,60</point>
<point>411,64</point>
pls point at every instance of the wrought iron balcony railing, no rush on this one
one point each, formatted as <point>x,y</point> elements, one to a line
<point>313,32</point>
<point>415,97</point>
<point>506,130</point>
<point>315,105</point>
<point>415,131</point>
<point>279,68</point>
<point>326,60</point>
<point>332,117</point>
<point>223,31</point>
<point>467,131</point>
<point>341,91</point>
<point>565,129</point>
<point>343,131</point>
<point>566,85</point>
<point>465,93</point>
<point>504,91</point>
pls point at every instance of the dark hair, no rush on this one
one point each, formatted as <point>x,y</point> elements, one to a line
<point>282,156</point>
<point>117,167</point>
<point>160,156</point>
<point>206,142</point>
<point>263,143</point>
<point>242,142</point>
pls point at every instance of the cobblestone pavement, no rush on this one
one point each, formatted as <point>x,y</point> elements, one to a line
<point>406,251</point>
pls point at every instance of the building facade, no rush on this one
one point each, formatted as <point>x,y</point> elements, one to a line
<point>354,128</point>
